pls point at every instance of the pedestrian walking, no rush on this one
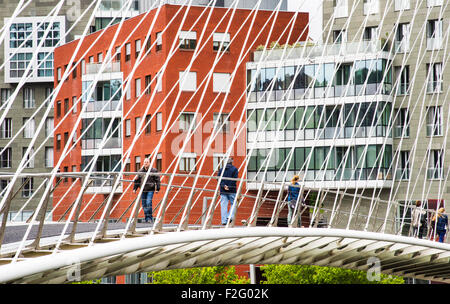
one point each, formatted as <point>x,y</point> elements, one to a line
<point>228,191</point>
<point>418,220</point>
<point>152,184</point>
<point>293,199</point>
<point>441,221</point>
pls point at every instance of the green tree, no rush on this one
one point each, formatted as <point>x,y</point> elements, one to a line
<point>306,274</point>
<point>200,275</point>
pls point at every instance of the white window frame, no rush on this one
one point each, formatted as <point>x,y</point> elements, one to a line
<point>127,127</point>
<point>137,87</point>
<point>221,42</point>
<point>185,124</point>
<point>188,81</point>
<point>221,82</point>
<point>187,162</point>
<point>340,8</point>
<point>159,122</point>
<point>401,5</point>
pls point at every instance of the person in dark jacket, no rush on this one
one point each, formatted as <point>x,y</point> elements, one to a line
<point>153,183</point>
<point>228,191</point>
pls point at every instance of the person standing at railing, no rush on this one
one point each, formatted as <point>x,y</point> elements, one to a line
<point>418,220</point>
<point>152,184</point>
<point>293,199</point>
<point>441,221</point>
<point>228,191</point>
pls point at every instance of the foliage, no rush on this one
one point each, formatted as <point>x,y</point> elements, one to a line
<point>200,275</point>
<point>88,282</point>
<point>305,274</point>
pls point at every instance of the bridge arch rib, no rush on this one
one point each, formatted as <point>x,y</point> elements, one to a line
<point>398,255</point>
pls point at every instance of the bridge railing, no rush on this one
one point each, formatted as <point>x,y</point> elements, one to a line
<point>192,201</point>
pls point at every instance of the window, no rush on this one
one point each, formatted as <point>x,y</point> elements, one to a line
<point>148,45</point>
<point>221,82</point>
<point>137,46</point>
<point>339,36</point>
<point>218,161</point>
<point>186,121</point>
<point>148,80</point>
<point>370,33</point>
<point>137,86</point>
<point>187,162</point>
<point>159,162</point>
<point>188,81</point>
<point>4,95</point>
<point>48,157</point>
<point>28,131</point>
<point>158,41</point>
<point>402,38</point>
<point>434,121</point>
<point>401,128</point>
<point>340,8</point>
<point>435,164</point>
<point>28,98</point>
<point>402,75</point>
<point>59,74</point>
<point>221,42</point>
<point>434,77</point>
<point>6,128</point>
<point>74,71</point>
<point>127,127</point>
<point>127,52</point>
<point>19,63</point>
<point>74,104</point>
<point>371,7</point>
<point>401,5</point>
<point>74,169</point>
<point>53,34</point>
<point>402,172</point>
<point>223,122</point>
<point>159,122</point>
<point>118,54</point>
<point>158,82</point>
<point>29,163</point>
<point>100,57</point>
<point>45,64</point>
<point>49,121</point>
<point>5,157</point>
<point>83,67</point>
<point>58,141</point>
<point>21,35</point>
<point>434,34</point>
<point>137,163</point>
<point>66,105</point>
<point>137,124</point>
<point>66,138</point>
<point>188,40</point>
<point>148,124</point>
<point>28,187</point>
<point>58,108</point>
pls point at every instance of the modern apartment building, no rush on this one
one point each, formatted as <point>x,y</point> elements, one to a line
<point>29,43</point>
<point>364,113</point>
<point>147,109</point>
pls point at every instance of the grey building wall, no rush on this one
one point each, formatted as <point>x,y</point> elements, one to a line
<point>72,10</point>
<point>418,186</point>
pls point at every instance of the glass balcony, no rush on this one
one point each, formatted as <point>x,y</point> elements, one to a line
<point>94,68</point>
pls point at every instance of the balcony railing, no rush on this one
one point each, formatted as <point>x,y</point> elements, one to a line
<point>94,68</point>
<point>308,51</point>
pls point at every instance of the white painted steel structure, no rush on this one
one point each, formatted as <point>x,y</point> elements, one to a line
<point>356,226</point>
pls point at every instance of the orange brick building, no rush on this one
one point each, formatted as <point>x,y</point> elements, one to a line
<point>168,98</point>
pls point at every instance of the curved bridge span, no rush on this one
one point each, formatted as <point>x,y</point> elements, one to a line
<point>396,255</point>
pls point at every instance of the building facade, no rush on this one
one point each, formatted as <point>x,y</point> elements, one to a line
<point>364,113</point>
<point>30,40</point>
<point>148,109</point>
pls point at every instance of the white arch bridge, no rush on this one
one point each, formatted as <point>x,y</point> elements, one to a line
<point>339,231</point>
